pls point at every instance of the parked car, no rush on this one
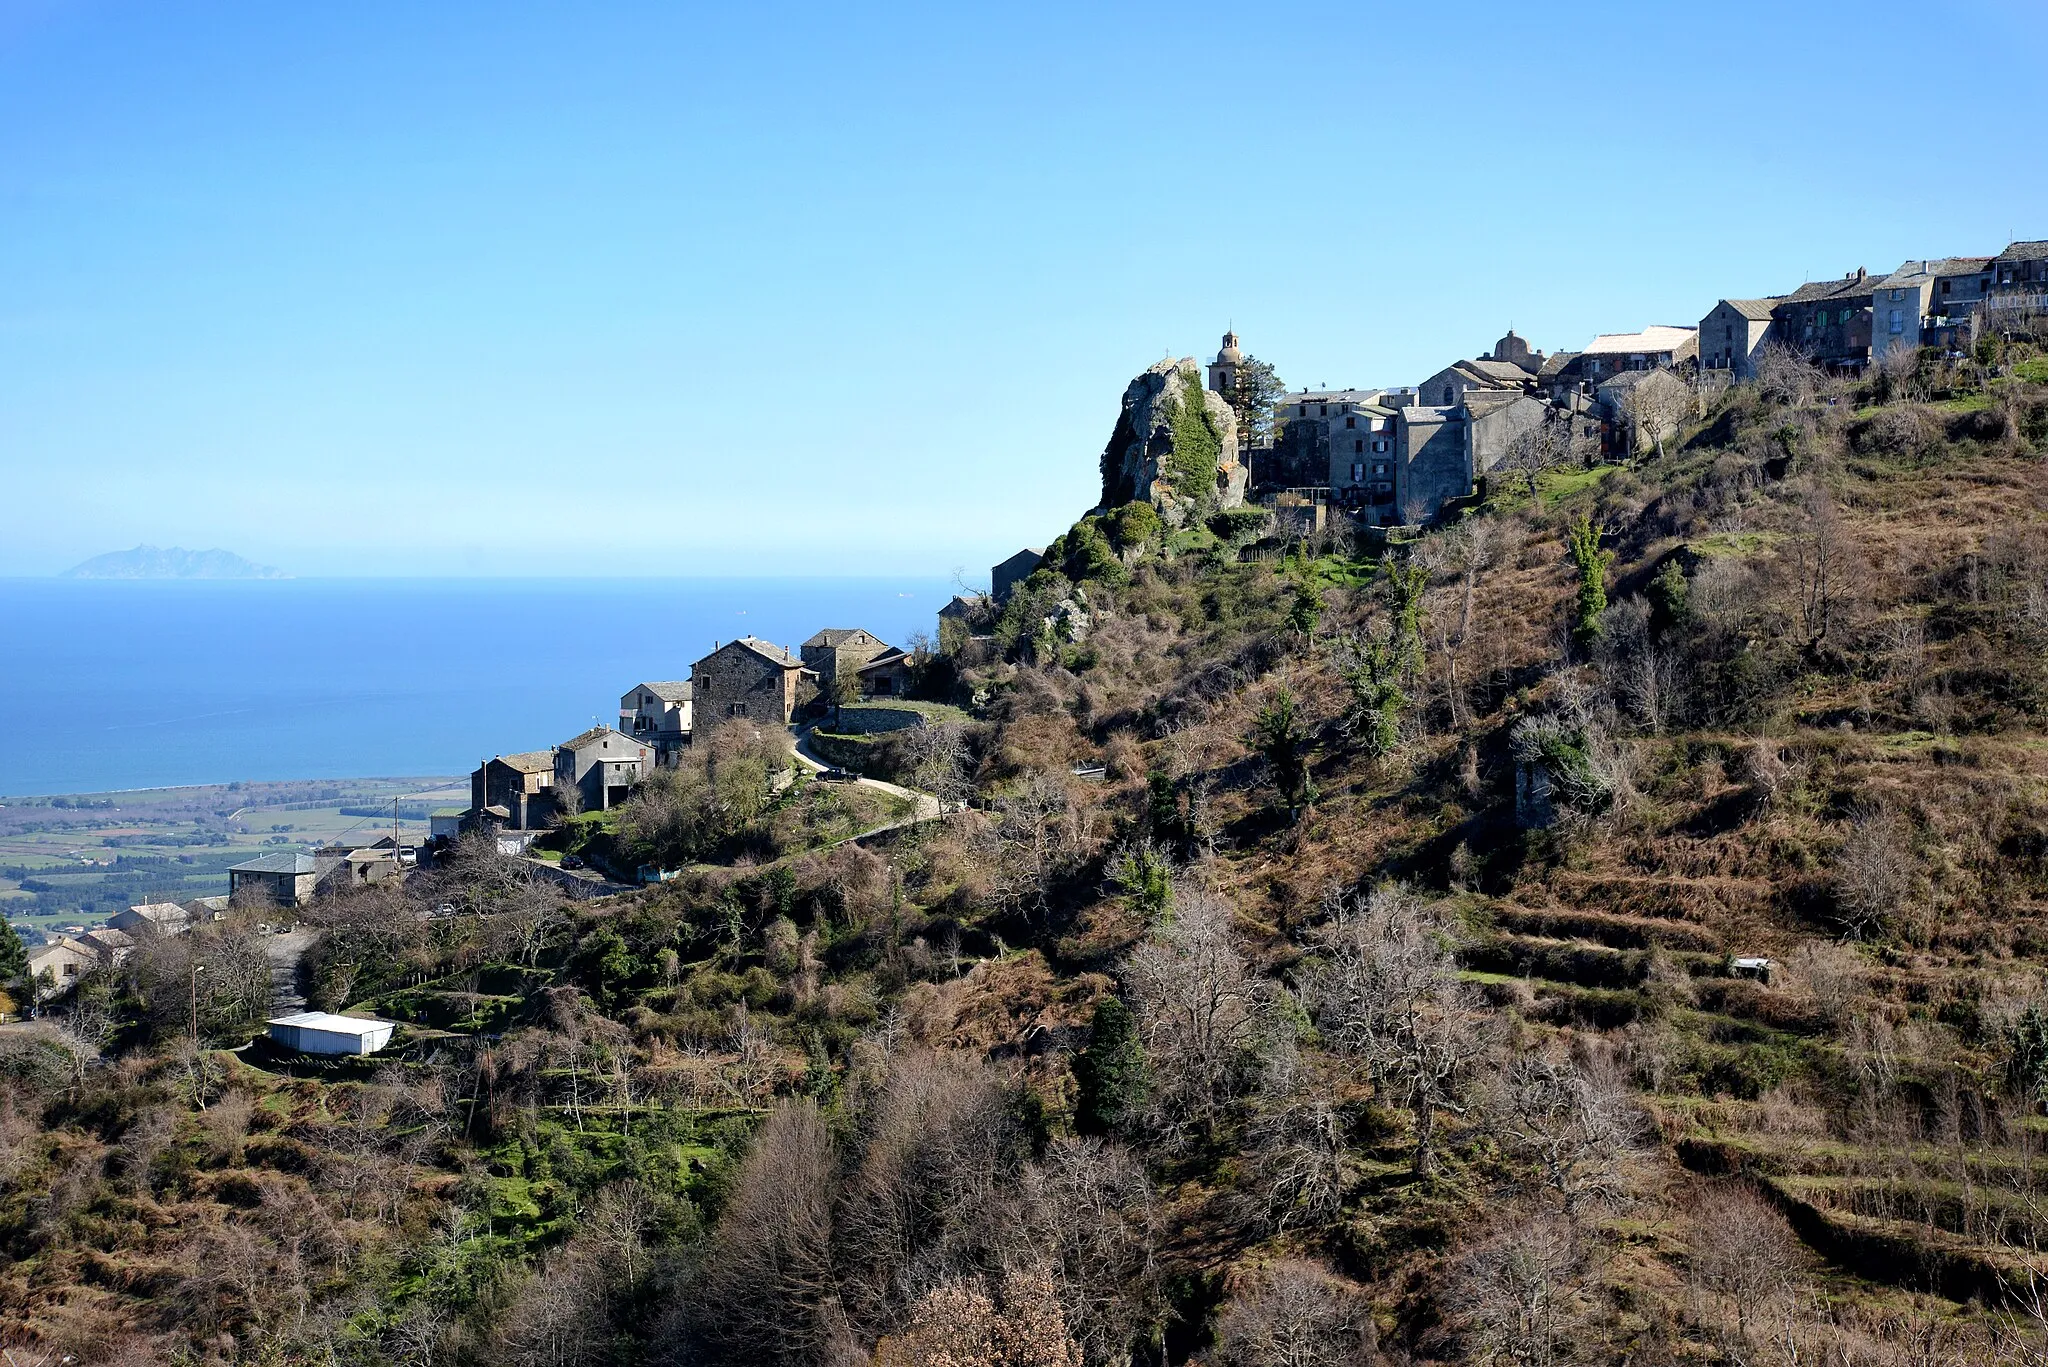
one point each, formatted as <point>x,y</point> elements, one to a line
<point>836,775</point>
<point>570,861</point>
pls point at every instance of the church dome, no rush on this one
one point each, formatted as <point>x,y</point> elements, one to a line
<point>1230,355</point>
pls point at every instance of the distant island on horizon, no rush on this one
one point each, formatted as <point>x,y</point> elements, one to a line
<point>174,562</point>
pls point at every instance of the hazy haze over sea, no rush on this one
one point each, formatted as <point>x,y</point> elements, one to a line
<point>139,684</point>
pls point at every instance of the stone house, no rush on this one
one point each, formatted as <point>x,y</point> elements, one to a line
<point>1828,321</point>
<point>1493,421</point>
<point>56,967</point>
<point>601,766</point>
<point>1323,433</point>
<point>659,715</point>
<point>1004,577</point>
<point>1662,346</point>
<point>152,918</point>
<point>110,946</point>
<point>749,679</point>
<point>1733,333</point>
<point>1960,286</point>
<point>1441,451</point>
<point>887,675</point>
<point>284,879</point>
<point>1634,431</point>
<point>1450,385</point>
<point>515,791</point>
<point>838,652</point>
<point>2018,280</point>
<point>1360,466</point>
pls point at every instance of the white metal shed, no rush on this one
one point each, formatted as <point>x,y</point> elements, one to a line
<point>322,1032</point>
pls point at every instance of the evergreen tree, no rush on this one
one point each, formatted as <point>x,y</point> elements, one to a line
<point>1111,1071</point>
<point>1591,563</point>
<point>13,956</point>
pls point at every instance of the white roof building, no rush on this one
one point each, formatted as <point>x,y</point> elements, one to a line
<point>323,1032</point>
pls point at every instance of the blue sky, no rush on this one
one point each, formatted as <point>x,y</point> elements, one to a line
<point>502,288</point>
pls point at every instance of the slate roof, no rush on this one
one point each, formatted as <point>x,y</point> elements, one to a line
<point>670,690</point>
<point>596,735</point>
<point>1756,310</point>
<point>894,655</point>
<point>1554,362</point>
<point>1815,291</point>
<point>277,863</point>
<point>770,652</point>
<point>959,607</point>
<point>1657,337</point>
<point>157,913</point>
<point>2025,251</point>
<point>833,636</point>
<point>1496,370</point>
<point>530,761</point>
<point>1332,396</point>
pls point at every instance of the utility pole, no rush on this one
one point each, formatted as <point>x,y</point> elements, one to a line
<point>197,969</point>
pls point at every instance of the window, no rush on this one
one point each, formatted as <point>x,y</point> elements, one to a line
<point>1323,410</point>
<point>1898,294</point>
<point>1381,444</point>
<point>1358,446</point>
<point>1898,321</point>
<point>735,709</point>
<point>1351,422</point>
<point>1846,313</point>
<point>1379,469</point>
<point>1357,471</point>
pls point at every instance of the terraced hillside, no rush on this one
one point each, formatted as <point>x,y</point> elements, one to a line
<point>1605,929</point>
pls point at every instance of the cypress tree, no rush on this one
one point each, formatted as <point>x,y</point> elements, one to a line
<point>1111,1070</point>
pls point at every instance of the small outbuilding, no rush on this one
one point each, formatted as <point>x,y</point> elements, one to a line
<point>322,1032</point>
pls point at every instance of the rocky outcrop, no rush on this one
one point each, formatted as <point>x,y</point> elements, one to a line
<point>1175,446</point>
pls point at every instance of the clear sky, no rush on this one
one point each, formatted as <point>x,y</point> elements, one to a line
<point>499,288</point>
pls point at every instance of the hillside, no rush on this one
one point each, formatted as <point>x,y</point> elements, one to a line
<point>174,562</point>
<point>1389,998</point>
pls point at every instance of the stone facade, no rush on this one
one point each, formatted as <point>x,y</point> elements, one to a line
<point>601,765</point>
<point>747,679</point>
<point>284,880</point>
<point>519,787</point>
<point>1733,333</point>
<point>1828,321</point>
<point>1137,462</point>
<point>1004,577</point>
<point>838,651</point>
<point>1433,467</point>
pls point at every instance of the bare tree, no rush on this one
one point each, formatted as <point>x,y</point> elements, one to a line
<point>1654,407</point>
<point>958,1324</point>
<point>1085,1214</point>
<point>1389,994</point>
<point>1513,1296</point>
<point>767,1292</point>
<point>1547,445</point>
<point>1198,1010</point>
<point>1579,1130</point>
<point>1826,568</point>
<point>1744,1257</point>
<point>1874,872</point>
<point>1295,1314</point>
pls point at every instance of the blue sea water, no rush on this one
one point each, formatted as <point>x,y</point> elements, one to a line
<point>108,685</point>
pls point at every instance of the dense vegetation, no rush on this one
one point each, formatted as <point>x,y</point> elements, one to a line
<point>1379,1002</point>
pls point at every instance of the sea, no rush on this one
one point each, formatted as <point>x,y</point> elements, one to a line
<point>109,685</point>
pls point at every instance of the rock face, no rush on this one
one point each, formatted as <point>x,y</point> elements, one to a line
<point>1175,446</point>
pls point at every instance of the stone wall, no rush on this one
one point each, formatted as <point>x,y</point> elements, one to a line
<point>867,719</point>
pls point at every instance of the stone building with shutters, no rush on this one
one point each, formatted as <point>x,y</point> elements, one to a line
<point>750,680</point>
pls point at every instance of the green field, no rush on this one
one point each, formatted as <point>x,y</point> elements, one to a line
<point>78,858</point>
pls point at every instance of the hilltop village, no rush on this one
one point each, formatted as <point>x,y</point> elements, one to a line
<point>1487,871</point>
